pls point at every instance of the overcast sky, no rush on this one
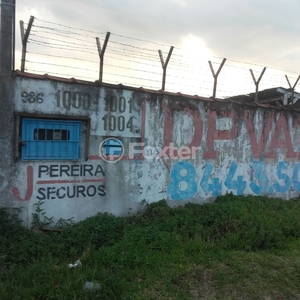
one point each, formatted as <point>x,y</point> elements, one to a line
<point>261,32</point>
<point>264,32</point>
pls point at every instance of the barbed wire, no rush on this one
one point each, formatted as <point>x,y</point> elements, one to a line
<point>67,43</point>
<point>73,28</point>
<point>61,66</point>
<point>64,47</point>
<point>38,71</point>
<point>61,57</point>
<point>63,35</point>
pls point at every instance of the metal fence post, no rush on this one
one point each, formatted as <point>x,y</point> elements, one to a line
<point>215,75</point>
<point>101,54</point>
<point>164,65</point>
<point>24,38</point>
<point>292,87</point>
<point>257,82</point>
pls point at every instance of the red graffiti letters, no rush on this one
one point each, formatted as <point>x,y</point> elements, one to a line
<point>29,189</point>
<point>275,131</point>
<point>213,134</point>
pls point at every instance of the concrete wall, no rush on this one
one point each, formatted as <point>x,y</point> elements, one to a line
<point>175,148</point>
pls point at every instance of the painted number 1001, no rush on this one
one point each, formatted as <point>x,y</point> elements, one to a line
<point>115,104</point>
<point>118,105</point>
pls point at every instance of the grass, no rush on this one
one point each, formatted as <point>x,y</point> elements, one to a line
<point>235,248</point>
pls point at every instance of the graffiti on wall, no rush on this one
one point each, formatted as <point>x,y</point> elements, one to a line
<point>199,149</point>
<point>184,185</point>
<point>255,159</point>
<point>276,130</point>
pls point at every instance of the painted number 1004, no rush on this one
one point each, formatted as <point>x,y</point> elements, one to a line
<point>113,123</point>
<point>120,106</point>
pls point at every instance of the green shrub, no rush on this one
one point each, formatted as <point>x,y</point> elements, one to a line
<point>18,244</point>
<point>231,222</point>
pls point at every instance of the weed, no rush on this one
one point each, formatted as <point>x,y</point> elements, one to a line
<point>39,218</point>
<point>235,248</point>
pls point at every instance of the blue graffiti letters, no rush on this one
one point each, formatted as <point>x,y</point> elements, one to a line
<point>215,187</point>
<point>182,181</point>
<point>295,177</point>
<point>282,176</point>
<point>254,179</point>
<point>239,184</point>
<point>260,177</point>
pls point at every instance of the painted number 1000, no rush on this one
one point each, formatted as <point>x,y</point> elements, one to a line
<point>73,99</point>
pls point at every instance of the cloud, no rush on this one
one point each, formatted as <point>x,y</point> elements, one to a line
<point>259,31</point>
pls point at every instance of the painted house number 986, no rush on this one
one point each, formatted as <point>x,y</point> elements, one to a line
<point>32,97</point>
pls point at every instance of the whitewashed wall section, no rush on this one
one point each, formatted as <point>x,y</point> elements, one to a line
<point>81,188</point>
<point>174,148</point>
